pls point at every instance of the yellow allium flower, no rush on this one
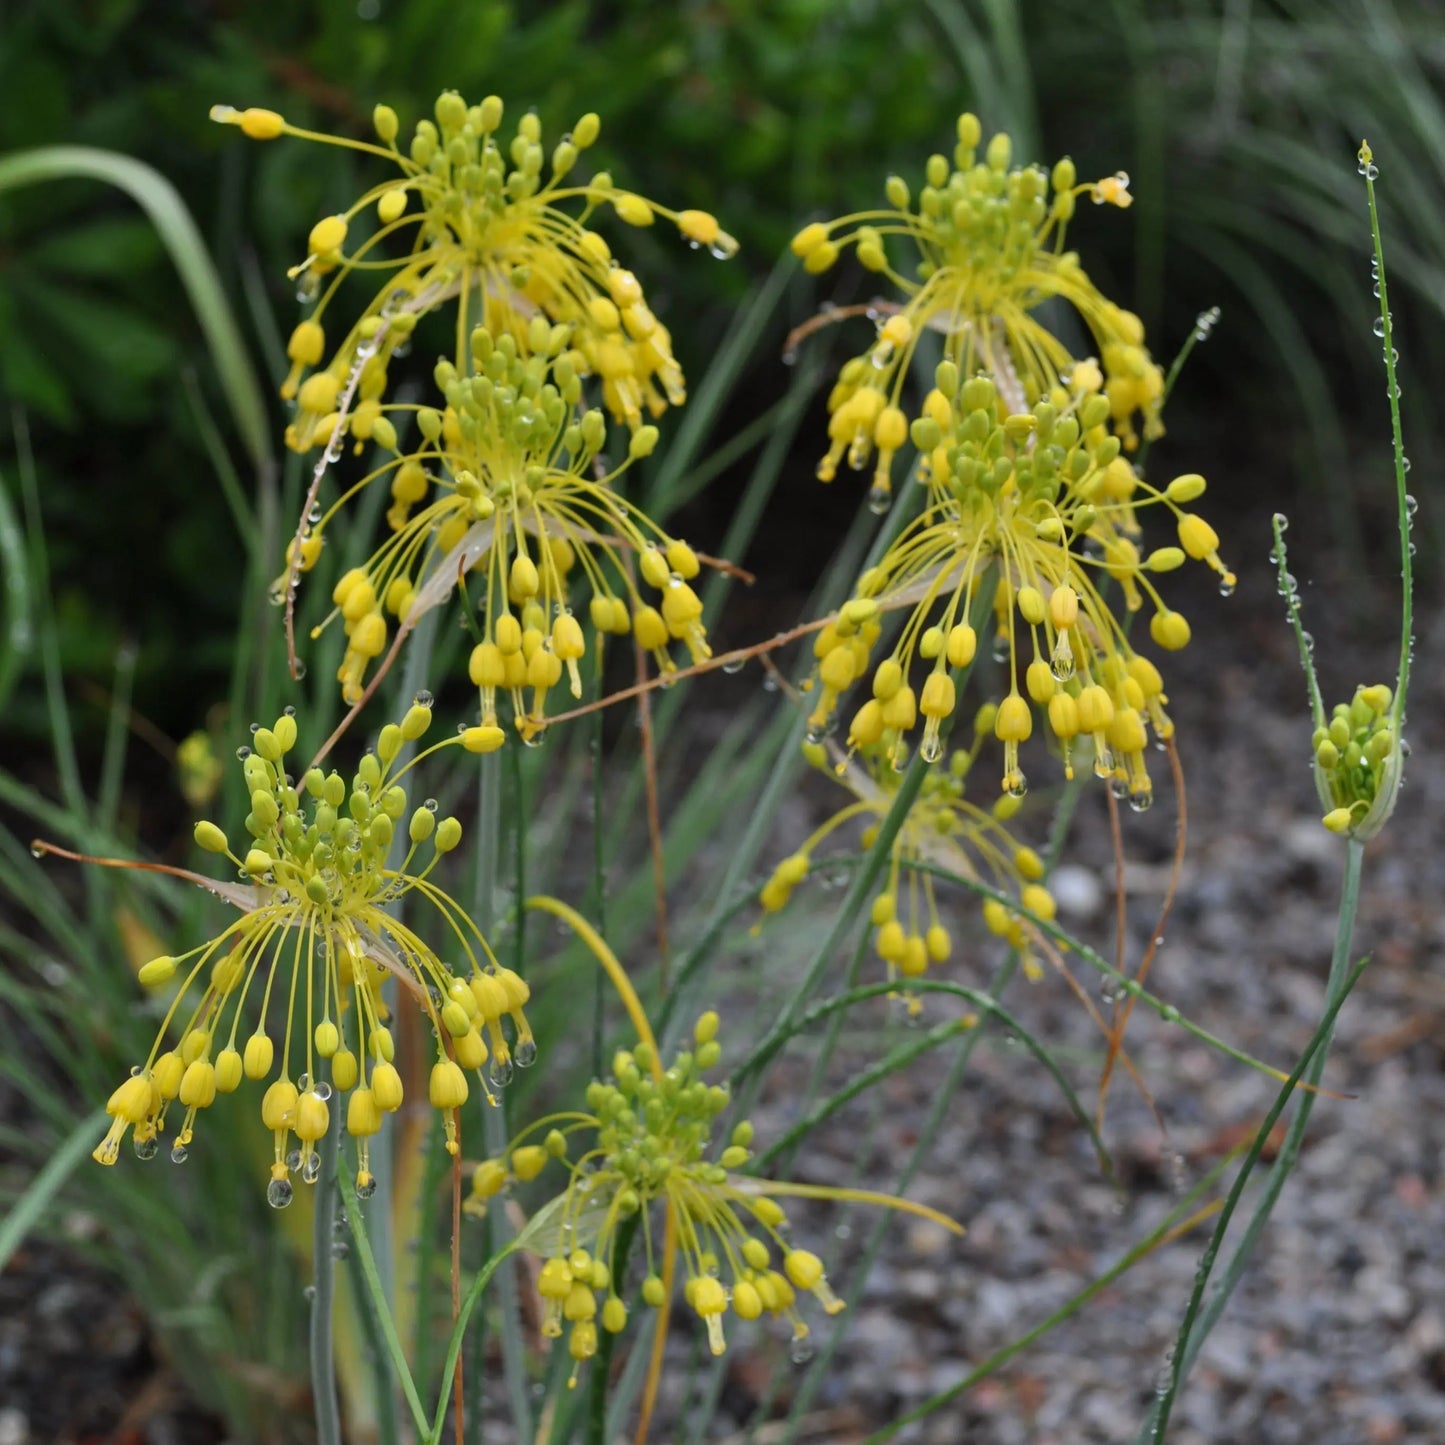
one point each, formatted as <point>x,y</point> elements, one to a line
<point>1358,762</point>
<point>943,828</point>
<point>645,1138</point>
<point>479,225</point>
<point>987,249</point>
<point>507,482</point>
<point>1041,510</point>
<point>300,971</point>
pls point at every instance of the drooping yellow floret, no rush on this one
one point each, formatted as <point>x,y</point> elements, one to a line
<point>984,245</point>
<point>943,829</point>
<point>506,487</point>
<point>304,964</point>
<point>499,228</point>
<point>1031,516</point>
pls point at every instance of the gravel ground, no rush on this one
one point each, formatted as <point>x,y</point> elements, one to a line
<point>1336,1336</point>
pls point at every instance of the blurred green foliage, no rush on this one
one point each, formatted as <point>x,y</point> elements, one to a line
<point>1238,123</point>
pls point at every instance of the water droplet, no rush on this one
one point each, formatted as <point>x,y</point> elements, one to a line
<point>930,750</point>
<point>147,1148</point>
<point>525,1053</point>
<point>770,683</point>
<point>1411,505</point>
<point>178,1154</point>
<point>298,669</point>
<point>311,1169</point>
<point>431,805</point>
<point>365,1191</point>
<point>1380,325</point>
<point>36,851</point>
<point>790,356</point>
<point>1226,586</point>
<point>242,753</point>
<point>307,287</point>
<point>878,500</point>
<point>1141,799</point>
<point>801,1350</point>
<point>303,1084</point>
<point>288,711</point>
<point>999,651</point>
<point>1165,1377</point>
<point>1369,170</point>
<point>734,665</point>
<point>340,1249</point>
<point>278,1193</point>
<point>309,1293</point>
<point>423,699</point>
<point>500,1073</point>
<point>322,1090</point>
<point>1018,786</point>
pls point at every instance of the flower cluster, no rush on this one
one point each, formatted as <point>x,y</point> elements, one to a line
<point>1357,762</point>
<point>501,230</point>
<point>315,941</point>
<point>943,829</point>
<point>507,482</point>
<point>987,242</point>
<point>1033,515</point>
<point>644,1138</point>
<point>505,473</point>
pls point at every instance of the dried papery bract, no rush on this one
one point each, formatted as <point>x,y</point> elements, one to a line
<point>299,974</point>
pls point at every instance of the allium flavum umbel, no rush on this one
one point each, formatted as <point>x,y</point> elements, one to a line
<point>986,246</point>
<point>645,1138</point>
<point>315,941</point>
<point>479,224</point>
<point>504,488</point>
<point>943,829</point>
<point>1038,515</point>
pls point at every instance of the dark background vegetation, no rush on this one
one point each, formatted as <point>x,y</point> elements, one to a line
<point>1238,123</point>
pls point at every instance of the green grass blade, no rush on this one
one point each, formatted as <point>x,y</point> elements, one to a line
<point>155,195</point>
<point>38,1198</point>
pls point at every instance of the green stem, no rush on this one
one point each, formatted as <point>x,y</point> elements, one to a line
<point>323,1294</point>
<point>1404,503</point>
<point>599,873</point>
<point>372,1280</point>
<point>433,1434</point>
<point>494,1121</point>
<point>602,1364</point>
<point>1311,1067</point>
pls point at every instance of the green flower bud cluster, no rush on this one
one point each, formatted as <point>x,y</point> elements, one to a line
<point>647,1136</point>
<point>1358,761</point>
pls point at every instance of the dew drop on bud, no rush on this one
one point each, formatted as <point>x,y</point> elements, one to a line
<point>278,1193</point>
<point>525,1054</point>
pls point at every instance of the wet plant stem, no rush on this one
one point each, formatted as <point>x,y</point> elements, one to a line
<point>602,1365</point>
<point>323,1295</point>
<point>1196,1325</point>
